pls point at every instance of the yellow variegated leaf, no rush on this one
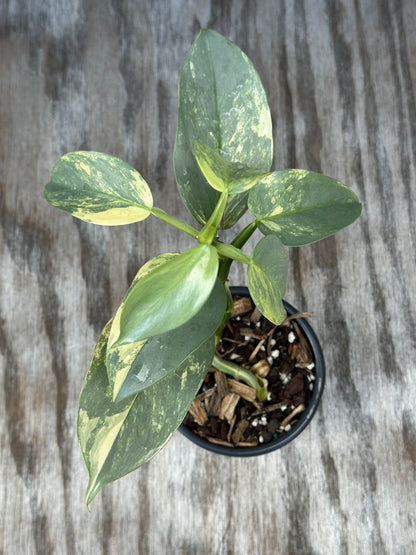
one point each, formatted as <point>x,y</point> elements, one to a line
<point>134,366</point>
<point>267,278</point>
<point>301,206</point>
<point>117,438</point>
<point>222,104</point>
<point>225,176</point>
<point>99,188</point>
<point>166,296</point>
<point>121,358</point>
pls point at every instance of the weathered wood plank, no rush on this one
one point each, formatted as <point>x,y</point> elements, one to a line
<point>340,78</point>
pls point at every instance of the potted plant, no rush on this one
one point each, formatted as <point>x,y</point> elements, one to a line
<point>153,355</point>
<point>286,371</point>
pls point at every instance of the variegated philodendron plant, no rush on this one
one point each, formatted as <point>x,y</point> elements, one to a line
<point>153,355</point>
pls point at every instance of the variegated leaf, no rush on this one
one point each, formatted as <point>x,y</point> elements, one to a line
<point>117,438</point>
<point>302,207</point>
<point>225,176</point>
<point>222,104</point>
<point>99,188</point>
<point>121,357</point>
<point>166,297</point>
<point>267,278</point>
<point>136,366</point>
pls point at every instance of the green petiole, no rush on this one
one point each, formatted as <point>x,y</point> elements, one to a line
<point>240,373</point>
<point>175,222</point>
<point>232,252</point>
<point>238,242</point>
<point>209,231</point>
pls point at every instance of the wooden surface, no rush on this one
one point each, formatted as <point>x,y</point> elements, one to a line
<point>103,76</point>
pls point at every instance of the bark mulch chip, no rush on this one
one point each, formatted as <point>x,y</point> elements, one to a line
<point>226,411</point>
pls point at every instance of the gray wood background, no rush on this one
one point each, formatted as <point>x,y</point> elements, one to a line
<point>340,79</point>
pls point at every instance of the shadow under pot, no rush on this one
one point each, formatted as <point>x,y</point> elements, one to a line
<point>224,418</point>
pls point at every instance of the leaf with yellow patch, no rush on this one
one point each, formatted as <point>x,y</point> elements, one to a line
<point>267,278</point>
<point>166,297</point>
<point>222,104</point>
<point>117,438</point>
<point>136,366</point>
<point>225,176</point>
<point>302,207</point>
<point>99,188</point>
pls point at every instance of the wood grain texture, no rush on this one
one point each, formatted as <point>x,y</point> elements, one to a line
<point>340,79</point>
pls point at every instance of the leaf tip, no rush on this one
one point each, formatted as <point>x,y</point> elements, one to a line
<point>91,492</point>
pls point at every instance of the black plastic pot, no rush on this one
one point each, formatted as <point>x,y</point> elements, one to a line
<point>305,416</point>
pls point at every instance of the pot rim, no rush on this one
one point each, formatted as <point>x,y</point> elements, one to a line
<point>306,415</point>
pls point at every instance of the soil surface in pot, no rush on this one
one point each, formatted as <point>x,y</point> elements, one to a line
<point>226,411</point>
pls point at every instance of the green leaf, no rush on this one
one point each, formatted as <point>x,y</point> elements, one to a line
<point>117,438</point>
<point>267,278</point>
<point>136,366</point>
<point>302,207</point>
<point>223,175</point>
<point>222,104</point>
<point>121,357</point>
<point>166,295</point>
<point>99,188</point>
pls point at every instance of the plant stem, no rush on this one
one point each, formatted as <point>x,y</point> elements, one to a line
<point>245,234</point>
<point>175,222</point>
<point>227,314</point>
<point>238,372</point>
<point>231,252</point>
<point>238,242</point>
<point>209,231</point>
